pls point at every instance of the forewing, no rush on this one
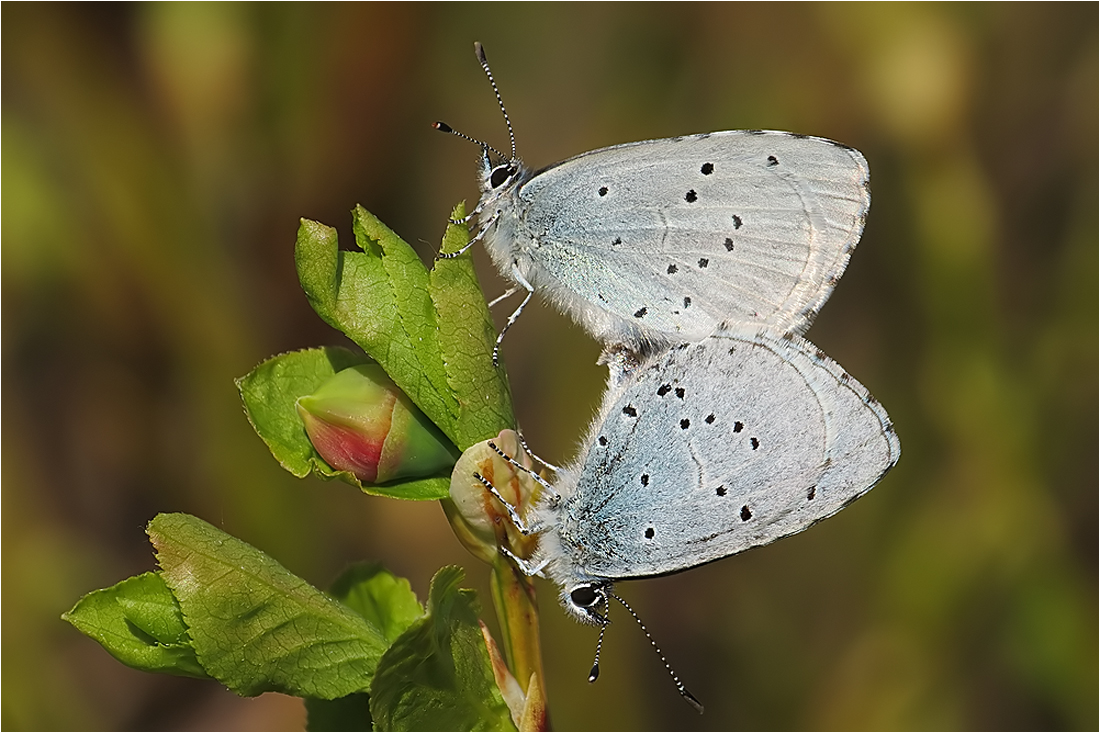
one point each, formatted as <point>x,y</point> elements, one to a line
<point>682,234</point>
<point>748,227</point>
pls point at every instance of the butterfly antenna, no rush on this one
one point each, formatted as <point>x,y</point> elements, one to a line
<point>595,673</point>
<point>444,127</point>
<point>480,51</point>
<point>675,678</point>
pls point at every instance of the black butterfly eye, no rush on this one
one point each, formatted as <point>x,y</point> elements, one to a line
<point>584,596</point>
<point>500,175</point>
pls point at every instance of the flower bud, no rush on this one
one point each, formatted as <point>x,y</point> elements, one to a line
<point>360,422</point>
<point>478,519</point>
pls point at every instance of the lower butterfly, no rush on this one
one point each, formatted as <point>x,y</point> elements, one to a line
<point>701,452</point>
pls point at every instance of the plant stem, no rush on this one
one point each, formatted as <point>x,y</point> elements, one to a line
<point>517,610</point>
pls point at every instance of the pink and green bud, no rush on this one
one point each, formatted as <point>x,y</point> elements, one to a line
<point>360,422</point>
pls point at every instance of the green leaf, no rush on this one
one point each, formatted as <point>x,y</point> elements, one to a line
<point>431,332</point>
<point>409,279</point>
<point>269,393</point>
<point>351,712</point>
<point>139,623</point>
<point>437,675</point>
<point>374,303</point>
<point>467,337</point>
<point>255,626</point>
<point>386,602</point>
<point>383,599</point>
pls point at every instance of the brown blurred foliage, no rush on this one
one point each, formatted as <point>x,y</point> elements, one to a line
<point>157,159</point>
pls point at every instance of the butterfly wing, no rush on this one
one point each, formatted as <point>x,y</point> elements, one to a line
<point>670,238</point>
<point>717,447</point>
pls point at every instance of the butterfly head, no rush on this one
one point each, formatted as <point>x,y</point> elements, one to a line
<point>496,177</point>
<point>587,602</point>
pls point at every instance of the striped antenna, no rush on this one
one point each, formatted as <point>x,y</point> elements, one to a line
<point>595,673</point>
<point>684,693</point>
<point>479,50</point>
<point>444,127</point>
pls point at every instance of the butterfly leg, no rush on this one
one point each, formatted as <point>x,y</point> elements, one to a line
<point>512,513</point>
<point>473,240</point>
<point>506,294</point>
<point>523,442</point>
<point>523,468</point>
<point>527,568</point>
<point>469,217</point>
<point>519,278</point>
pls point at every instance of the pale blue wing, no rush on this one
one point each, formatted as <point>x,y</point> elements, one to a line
<point>677,236</point>
<point>717,447</point>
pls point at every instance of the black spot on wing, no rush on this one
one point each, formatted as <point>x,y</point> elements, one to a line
<point>707,169</point>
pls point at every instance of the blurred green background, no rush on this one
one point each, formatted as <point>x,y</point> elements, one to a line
<point>157,159</point>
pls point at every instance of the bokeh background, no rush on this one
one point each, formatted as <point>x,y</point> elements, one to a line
<point>157,158</point>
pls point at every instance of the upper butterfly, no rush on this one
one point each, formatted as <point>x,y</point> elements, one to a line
<point>661,241</point>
